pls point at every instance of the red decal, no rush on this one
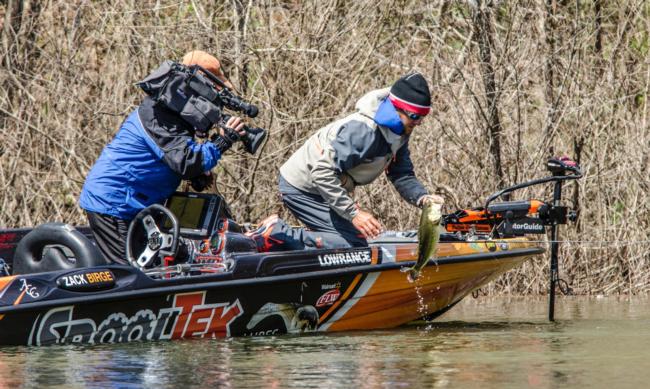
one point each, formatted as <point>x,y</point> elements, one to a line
<point>8,240</point>
<point>328,298</point>
<point>186,302</point>
<point>222,318</point>
<point>200,319</point>
<point>8,237</point>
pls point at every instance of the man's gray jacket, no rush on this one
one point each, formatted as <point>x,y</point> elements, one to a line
<point>353,151</point>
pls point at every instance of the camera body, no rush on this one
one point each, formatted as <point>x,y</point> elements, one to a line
<point>192,92</point>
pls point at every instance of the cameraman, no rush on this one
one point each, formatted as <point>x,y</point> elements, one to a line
<point>152,152</point>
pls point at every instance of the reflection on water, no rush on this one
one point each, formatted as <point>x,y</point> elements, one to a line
<point>480,343</point>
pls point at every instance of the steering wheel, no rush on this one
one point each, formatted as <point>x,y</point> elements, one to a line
<point>158,242</point>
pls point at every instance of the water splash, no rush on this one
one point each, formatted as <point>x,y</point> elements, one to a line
<point>423,308</point>
<point>415,277</point>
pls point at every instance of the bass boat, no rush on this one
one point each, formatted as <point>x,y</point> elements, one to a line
<point>195,273</point>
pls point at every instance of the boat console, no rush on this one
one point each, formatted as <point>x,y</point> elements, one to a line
<point>198,214</point>
<point>192,230</point>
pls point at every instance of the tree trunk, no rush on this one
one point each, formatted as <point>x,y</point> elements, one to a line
<point>549,71</point>
<point>241,18</point>
<point>483,34</point>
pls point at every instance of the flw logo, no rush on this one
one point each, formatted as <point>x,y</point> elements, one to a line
<point>189,316</point>
<point>328,298</point>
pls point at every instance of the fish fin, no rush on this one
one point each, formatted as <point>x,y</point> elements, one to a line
<point>413,274</point>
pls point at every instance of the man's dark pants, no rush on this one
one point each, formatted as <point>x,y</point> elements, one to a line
<point>110,236</point>
<point>325,228</point>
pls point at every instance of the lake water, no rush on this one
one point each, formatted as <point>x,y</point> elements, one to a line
<point>486,343</point>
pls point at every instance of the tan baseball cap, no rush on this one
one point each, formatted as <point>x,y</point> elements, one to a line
<point>208,62</point>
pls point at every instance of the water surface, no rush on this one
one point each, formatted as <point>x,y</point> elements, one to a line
<point>487,343</point>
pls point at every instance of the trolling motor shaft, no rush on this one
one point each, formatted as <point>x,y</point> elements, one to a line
<point>559,167</point>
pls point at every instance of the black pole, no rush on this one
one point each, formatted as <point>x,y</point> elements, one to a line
<point>557,196</point>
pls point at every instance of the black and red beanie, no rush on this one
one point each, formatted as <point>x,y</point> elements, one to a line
<point>411,93</point>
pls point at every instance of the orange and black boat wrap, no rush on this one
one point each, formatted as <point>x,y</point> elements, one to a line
<point>264,294</point>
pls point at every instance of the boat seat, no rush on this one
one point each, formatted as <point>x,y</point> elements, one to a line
<point>55,246</point>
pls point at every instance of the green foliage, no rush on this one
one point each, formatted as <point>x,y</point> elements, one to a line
<point>461,10</point>
<point>618,212</point>
<point>504,13</point>
<point>640,44</point>
<point>455,43</point>
<point>640,99</point>
<point>189,9</point>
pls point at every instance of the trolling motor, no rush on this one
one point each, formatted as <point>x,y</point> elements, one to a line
<point>517,218</point>
<point>559,167</point>
<point>192,92</point>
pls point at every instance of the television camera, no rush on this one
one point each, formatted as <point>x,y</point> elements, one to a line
<point>200,97</point>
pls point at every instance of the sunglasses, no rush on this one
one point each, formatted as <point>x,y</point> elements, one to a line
<point>412,116</point>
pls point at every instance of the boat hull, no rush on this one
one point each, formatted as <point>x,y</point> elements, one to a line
<point>358,296</point>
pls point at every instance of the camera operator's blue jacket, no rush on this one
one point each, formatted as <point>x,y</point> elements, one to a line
<point>145,162</point>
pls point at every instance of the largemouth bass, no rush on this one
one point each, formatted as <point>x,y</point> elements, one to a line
<point>428,236</point>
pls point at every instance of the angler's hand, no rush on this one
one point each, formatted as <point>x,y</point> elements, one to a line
<point>367,224</point>
<point>430,199</point>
